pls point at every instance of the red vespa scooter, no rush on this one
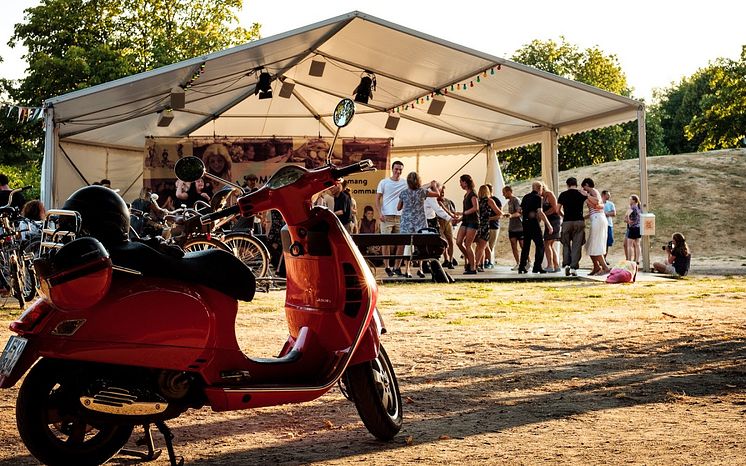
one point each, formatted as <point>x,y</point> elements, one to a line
<point>126,335</point>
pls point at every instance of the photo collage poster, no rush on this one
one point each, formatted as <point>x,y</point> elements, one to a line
<point>235,159</point>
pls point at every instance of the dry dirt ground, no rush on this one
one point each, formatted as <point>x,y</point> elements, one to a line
<point>506,373</point>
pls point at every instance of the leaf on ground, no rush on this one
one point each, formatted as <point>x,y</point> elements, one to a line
<point>408,400</point>
<point>409,440</point>
<point>444,437</point>
<point>328,424</point>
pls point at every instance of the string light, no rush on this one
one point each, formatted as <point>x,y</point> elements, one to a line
<point>195,76</point>
<point>444,91</point>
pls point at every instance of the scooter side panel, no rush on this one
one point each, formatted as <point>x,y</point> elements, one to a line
<point>143,324</point>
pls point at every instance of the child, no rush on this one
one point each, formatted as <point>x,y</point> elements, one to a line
<point>632,249</point>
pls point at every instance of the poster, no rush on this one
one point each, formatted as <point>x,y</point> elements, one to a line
<point>235,159</point>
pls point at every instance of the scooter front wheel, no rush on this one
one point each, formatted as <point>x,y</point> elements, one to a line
<point>49,421</point>
<point>373,388</point>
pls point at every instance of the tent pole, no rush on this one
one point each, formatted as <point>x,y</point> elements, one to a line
<point>550,160</point>
<point>644,199</point>
<point>51,139</point>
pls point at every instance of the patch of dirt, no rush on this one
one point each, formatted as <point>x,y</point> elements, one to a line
<point>576,373</point>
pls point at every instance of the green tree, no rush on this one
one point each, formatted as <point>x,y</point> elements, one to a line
<point>676,108</point>
<point>721,121</point>
<point>74,44</point>
<point>591,66</point>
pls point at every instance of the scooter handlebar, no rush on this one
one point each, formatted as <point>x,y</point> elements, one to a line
<point>361,166</point>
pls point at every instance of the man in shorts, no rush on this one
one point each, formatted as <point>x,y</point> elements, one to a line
<point>387,198</point>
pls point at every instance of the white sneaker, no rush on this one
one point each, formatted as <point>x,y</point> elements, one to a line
<point>574,272</point>
<point>515,267</point>
<point>567,271</point>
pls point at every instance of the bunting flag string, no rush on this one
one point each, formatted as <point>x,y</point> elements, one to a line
<point>455,87</point>
<point>22,114</point>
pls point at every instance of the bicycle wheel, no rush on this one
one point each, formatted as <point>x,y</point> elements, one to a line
<point>250,250</point>
<point>202,244</point>
<point>30,252</point>
<point>16,282</point>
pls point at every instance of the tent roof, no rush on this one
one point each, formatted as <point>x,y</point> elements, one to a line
<point>509,107</point>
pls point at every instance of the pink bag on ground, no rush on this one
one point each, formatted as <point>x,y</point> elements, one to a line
<point>624,272</point>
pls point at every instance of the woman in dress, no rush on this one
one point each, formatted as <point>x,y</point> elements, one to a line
<point>488,210</point>
<point>596,245</point>
<point>412,207</point>
<point>551,210</point>
<point>467,232</point>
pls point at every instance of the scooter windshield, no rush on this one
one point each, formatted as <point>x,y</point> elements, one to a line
<point>285,176</point>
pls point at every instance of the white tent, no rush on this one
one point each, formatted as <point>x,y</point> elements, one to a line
<point>491,104</point>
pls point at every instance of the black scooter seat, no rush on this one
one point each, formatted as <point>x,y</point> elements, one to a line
<point>213,268</point>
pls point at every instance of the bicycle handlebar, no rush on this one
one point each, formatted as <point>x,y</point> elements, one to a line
<point>209,218</point>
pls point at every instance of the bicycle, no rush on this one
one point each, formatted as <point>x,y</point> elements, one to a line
<point>16,253</point>
<point>186,231</point>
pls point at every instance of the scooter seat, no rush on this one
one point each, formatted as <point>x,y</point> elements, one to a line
<point>213,268</point>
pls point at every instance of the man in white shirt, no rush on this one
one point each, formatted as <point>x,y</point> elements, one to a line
<point>433,209</point>
<point>387,198</point>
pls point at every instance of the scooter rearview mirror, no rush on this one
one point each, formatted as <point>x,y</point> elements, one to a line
<point>343,113</point>
<point>189,169</point>
<point>342,116</point>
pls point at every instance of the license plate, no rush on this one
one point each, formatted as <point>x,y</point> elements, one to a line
<point>12,354</point>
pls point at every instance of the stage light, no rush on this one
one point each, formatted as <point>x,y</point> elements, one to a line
<point>165,117</point>
<point>264,86</point>
<point>392,121</point>
<point>364,91</point>
<point>286,91</point>
<point>436,105</point>
<point>317,68</point>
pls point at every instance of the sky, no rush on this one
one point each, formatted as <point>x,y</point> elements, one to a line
<point>657,42</point>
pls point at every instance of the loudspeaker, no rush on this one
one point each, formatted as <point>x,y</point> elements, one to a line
<point>436,105</point>
<point>286,91</point>
<point>317,68</point>
<point>392,122</point>
<point>165,117</point>
<point>178,97</point>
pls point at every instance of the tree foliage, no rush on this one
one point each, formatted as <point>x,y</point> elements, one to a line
<point>74,44</point>
<point>707,110</point>
<point>590,66</point>
<point>721,122</point>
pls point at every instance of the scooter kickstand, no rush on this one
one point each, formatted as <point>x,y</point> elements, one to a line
<point>168,437</point>
<point>147,441</point>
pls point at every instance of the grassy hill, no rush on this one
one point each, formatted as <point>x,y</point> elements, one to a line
<point>702,195</point>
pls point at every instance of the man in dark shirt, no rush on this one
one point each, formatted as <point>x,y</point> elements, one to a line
<point>573,225</point>
<point>18,199</point>
<point>342,206</point>
<point>532,214</point>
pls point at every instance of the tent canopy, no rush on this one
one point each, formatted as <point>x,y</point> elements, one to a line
<point>508,106</point>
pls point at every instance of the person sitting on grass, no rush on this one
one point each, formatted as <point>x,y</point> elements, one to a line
<point>679,257</point>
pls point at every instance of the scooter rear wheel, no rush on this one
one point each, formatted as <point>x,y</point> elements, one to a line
<point>373,388</point>
<point>48,415</point>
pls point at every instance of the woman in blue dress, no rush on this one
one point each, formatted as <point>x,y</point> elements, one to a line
<point>412,207</point>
